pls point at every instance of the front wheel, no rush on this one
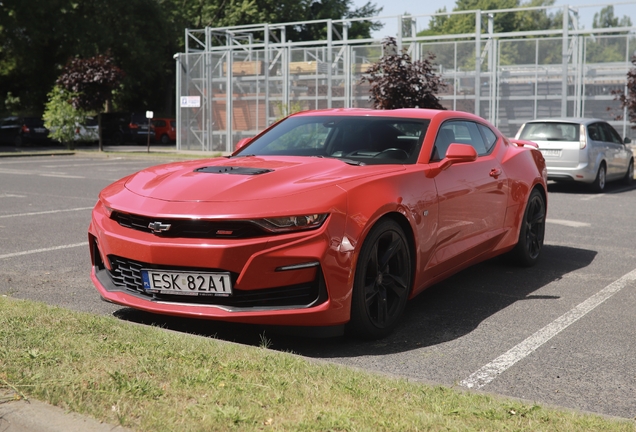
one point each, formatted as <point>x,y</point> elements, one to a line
<point>532,232</point>
<point>165,139</point>
<point>382,282</point>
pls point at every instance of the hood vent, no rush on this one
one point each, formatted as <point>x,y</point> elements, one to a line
<point>233,170</point>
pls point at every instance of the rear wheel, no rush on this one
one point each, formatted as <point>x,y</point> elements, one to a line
<point>18,141</point>
<point>165,139</point>
<point>382,282</point>
<point>532,232</point>
<point>629,175</point>
<point>599,182</point>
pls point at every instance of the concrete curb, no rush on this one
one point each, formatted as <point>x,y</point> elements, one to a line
<point>35,416</point>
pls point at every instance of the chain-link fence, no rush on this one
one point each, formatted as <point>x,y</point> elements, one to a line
<point>234,82</point>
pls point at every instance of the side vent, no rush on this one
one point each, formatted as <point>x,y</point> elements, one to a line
<point>233,170</point>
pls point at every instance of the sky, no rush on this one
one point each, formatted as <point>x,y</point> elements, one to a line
<point>422,7</point>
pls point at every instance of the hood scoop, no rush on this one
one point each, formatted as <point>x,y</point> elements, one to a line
<point>233,170</point>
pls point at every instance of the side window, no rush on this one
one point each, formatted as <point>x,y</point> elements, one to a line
<point>489,136</point>
<point>594,132</point>
<point>460,132</point>
<point>610,134</point>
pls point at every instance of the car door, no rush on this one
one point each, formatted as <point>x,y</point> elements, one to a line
<point>617,155</point>
<point>9,128</point>
<point>472,196</point>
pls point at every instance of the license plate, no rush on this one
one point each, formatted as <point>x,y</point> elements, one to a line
<point>553,153</point>
<point>187,283</point>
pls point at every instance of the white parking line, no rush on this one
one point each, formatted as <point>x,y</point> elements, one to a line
<point>45,212</point>
<point>489,372</point>
<point>569,223</point>
<point>37,173</point>
<point>61,176</point>
<point>15,254</point>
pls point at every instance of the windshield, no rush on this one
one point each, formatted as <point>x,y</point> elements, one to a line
<point>550,131</point>
<point>366,140</point>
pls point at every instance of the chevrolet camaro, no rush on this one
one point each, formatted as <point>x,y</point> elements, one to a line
<point>331,219</point>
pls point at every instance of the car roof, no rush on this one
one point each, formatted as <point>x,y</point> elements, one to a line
<point>402,113</point>
<point>579,120</point>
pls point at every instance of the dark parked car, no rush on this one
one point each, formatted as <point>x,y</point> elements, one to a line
<point>23,130</point>
<point>123,127</point>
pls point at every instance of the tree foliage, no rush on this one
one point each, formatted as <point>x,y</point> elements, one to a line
<point>399,82</point>
<point>61,117</point>
<point>91,81</point>
<point>38,37</point>
<point>628,100</point>
<point>503,22</point>
<point>606,19</point>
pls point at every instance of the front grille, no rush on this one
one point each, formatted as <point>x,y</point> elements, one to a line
<point>126,274</point>
<point>191,228</point>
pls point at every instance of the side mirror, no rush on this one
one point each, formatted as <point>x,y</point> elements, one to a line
<point>242,143</point>
<point>456,153</point>
<point>627,140</point>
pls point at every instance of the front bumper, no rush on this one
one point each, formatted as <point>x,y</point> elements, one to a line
<point>299,279</point>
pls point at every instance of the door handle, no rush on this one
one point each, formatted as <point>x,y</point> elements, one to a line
<point>495,172</point>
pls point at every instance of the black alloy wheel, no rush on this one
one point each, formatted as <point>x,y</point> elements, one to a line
<point>532,231</point>
<point>382,283</point>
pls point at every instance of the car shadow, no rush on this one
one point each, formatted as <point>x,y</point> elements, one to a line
<point>584,189</point>
<point>442,313</point>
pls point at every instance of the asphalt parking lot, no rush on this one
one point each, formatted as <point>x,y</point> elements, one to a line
<point>561,333</point>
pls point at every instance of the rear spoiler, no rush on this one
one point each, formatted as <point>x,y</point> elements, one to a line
<point>523,143</point>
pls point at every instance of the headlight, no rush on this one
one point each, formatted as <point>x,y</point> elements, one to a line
<point>292,223</point>
<point>107,210</point>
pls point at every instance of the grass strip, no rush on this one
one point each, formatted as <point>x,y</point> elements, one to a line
<point>150,379</point>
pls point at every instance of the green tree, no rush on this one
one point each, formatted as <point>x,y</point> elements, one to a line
<point>38,37</point>
<point>607,47</point>
<point>61,118</point>
<point>197,14</point>
<point>606,19</point>
<point>399,82</point>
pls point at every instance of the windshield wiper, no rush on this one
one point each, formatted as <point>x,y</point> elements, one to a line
<point>351,162</point>
<point>237,156</point>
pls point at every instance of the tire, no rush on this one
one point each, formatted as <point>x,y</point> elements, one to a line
<point>528,249</point>
<point>629,175</point>
<point>18,141</point>
<point>165,139</point>
<point>599,182</point>
<point>382,282</point>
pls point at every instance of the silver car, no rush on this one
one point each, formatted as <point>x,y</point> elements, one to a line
<point>581,149</point>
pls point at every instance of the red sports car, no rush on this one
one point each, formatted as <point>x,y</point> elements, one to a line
<point>328,218</point>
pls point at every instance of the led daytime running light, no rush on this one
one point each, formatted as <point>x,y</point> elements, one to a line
<point>292,223</point>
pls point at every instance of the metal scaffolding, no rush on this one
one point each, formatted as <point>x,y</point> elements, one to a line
<point>233,82</point>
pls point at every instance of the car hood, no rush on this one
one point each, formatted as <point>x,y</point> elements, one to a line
<point>246,178</point>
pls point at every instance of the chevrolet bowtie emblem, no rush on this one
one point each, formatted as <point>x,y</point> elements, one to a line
<point>158,227</point>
